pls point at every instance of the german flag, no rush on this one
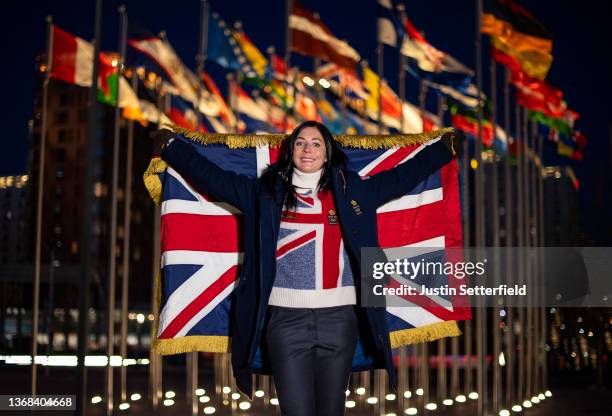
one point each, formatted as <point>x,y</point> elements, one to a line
<point>519,34</point>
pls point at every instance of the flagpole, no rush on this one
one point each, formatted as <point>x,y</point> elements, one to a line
<point>481,330</point>
<point>287,61</point>
<point>156,360</point>
<point>520,258</point>
<point>542,242</point>
<point>86,243</point>
<point>39,203</point>
<point>201,56</point>
<point>494,217</point>
<point>509,240</point>
<point>380,70</point>
<point>112,255</point>
<point>404,368</point>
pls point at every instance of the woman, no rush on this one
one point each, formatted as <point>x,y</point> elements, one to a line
<point>296,310</point>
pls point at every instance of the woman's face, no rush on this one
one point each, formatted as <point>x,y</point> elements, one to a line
<point>309,152</point>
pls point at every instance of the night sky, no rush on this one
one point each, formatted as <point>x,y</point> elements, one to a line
<point>581,66</point>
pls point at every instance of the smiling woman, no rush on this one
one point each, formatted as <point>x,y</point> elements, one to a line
<point>309,150</point>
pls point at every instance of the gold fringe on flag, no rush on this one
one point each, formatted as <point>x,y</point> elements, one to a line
<point>151,178</point>
<point>234,141</point>
<point>425,333</point>
<point>169,346</point>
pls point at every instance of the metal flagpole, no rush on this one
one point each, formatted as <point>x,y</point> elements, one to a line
<point>509,240</point>
<point>156,360</point>
<point>287,61</point>
<point>442,391</point>
<point>39,203</point>
<point>402,71</point>
<point>87,226</point>
<point>380,70</point>
<point>112,255</point>
<point>542,242</point>
<point>481,330</point>
<point>528,327</point>
<point>520,258</point>
<point>494,218</point>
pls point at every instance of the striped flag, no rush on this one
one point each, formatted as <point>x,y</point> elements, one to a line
<point>201,246</point>
<point>72,62</point>
<point>309,36</point>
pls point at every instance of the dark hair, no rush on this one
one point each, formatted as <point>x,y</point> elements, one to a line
<point>335,157</point>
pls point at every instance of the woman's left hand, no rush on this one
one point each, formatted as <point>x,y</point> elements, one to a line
<point>454,141</point>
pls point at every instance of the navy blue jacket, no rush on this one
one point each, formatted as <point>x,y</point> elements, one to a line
<point>262,216</point>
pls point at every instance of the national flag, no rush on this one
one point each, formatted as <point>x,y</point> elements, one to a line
<point>309,36</point>
<point>202,253</point>
<point>514,26</point>
<point>466,120</point>
<point>251,117</point>
<point>535,64</point>
<point>162,55</point>
<point>389,27</point>
<point>432,63</point>
<point>72,62</point>
<point>221,47</point>
<point>517,33</point>
<point>255,58</point>
<point>182,113</point>
<point>391,104</point>
<point>348,79</point>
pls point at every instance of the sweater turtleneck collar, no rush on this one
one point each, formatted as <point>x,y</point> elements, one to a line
<point>306,180</point>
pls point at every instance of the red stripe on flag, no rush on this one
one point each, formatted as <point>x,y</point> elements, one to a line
<point>295,243</point>
<point>216,233</point>
<point>392,160</point>
<point>400,228</point>
<point>200,302</point>
<point>63,58</point>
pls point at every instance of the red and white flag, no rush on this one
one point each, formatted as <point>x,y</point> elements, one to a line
<point>309,36</point>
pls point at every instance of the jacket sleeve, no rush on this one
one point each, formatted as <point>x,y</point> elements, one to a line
<point>394,183</point>
<point>235,189</point>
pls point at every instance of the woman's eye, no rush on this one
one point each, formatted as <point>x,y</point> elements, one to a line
<point>317,145</point>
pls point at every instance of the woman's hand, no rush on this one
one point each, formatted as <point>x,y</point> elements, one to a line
<point>161,139</point>
<point>454,141</point>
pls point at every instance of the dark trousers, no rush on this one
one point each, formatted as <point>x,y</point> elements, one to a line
<point>311,351</point>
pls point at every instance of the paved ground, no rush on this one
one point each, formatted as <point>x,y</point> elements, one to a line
<point>571,396</point>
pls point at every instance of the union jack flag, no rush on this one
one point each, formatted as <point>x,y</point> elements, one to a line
<point>201,246</point>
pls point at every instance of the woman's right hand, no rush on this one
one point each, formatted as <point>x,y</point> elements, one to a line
<point>161,139</point>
